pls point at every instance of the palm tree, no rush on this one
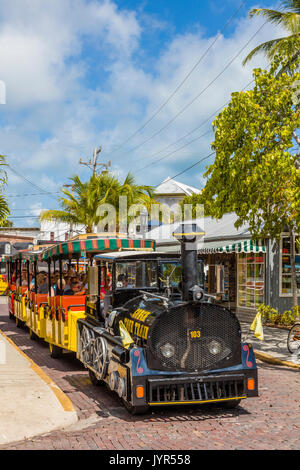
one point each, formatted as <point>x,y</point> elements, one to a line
<point>289,18</point>
<point>4,208</point>
<point>80,207</point>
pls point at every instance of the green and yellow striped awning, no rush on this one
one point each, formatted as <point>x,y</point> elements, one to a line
<point>233,246</point>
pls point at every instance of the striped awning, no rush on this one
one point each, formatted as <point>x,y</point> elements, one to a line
<point>77,247</point>
<point>233,246</point>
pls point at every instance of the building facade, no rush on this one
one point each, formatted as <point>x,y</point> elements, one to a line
<point>240,272</point>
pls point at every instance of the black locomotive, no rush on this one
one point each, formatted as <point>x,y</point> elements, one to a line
<point>154,337</point>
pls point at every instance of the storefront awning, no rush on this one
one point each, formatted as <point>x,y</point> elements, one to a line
<point>233,246</point>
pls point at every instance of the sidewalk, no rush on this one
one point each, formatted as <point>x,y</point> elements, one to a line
<point>31,404</point>
<point>273,348</point>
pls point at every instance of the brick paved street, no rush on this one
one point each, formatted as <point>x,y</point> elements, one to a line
<point>271,421</point>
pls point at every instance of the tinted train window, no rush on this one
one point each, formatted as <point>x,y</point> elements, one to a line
<point>173,271</point>
<point>136,274</point>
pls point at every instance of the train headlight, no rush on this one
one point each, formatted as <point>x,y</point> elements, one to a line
<point>167,350</point>
<point>214,347</point>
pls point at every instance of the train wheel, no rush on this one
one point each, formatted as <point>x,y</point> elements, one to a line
<point>94,379</point>
<point>19,324</point>
<point>100,356</point>
<point>11,316</point>
<point>86,340</point>
<point>55,351</point>
<point>231,404</point>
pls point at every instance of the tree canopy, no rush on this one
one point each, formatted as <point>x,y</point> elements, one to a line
<point>256,172</point>
<point>80,205</point>
<point>4,208</point>
<point>289,18</point>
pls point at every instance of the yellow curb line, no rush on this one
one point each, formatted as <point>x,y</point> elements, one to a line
<point>60,395</point>
<point>274,360</point>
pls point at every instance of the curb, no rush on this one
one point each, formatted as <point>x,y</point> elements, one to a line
<point>274,360</point>
<point>60,395</point>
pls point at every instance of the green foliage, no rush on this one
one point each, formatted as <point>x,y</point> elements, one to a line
<point>272,316</point>
<point>80,205</point>
<point>4,208</point>
<point>197,200</point>
<point>6,223</point>
<point>255,171</point>
<point>289,19</point>
<point>268,314</point>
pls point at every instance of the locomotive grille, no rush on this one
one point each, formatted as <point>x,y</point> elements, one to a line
<point>184,390</point>
<point>197,336</point>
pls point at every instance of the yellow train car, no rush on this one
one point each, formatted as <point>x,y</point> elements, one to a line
<point>3,277</point>
<point>39,303</point>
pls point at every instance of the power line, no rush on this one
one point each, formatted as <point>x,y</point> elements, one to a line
<point>175,151</point>
<point>30,182</point>
<point>26,209</point>
<point>189,168</point>
<point>29,194</point>
<point>183,81</point>
<point>24,217</point>
<point>186,135</point>
<point>199,94</point>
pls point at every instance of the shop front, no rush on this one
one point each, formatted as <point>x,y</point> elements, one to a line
<point>235,273</point>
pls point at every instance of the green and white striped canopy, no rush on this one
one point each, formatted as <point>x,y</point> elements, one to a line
<point>233,246</point>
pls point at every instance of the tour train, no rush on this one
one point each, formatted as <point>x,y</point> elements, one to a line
<point>146,328</point>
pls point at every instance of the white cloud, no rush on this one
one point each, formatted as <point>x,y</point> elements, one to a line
<point>38,37</point>
<point>77,77</point>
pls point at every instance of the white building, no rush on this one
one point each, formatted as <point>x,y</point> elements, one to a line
<point>59,231</point>
<point>171,192</point>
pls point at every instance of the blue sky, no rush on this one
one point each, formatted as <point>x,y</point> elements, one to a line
<point>82,73</point>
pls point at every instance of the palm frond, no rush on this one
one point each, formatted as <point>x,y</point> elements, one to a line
<point>266,47</point>
<point>274,16</point>
<point>288,17</point>
<point>292,5</point>
<point>57,215</point>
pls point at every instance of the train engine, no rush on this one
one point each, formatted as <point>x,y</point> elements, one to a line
<point>156,347</point>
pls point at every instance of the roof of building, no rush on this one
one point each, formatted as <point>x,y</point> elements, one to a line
<point>222,229</point>
<point>171,186</point>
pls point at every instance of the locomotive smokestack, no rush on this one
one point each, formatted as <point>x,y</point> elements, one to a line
<point>188,234</point>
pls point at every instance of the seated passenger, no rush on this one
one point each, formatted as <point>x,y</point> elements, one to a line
<point>67,285</point>
<point>122,281</point>
<point>42,284</point>
<point>74,289</point>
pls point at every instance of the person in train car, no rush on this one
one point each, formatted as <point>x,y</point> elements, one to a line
<point>43,287</point>
<point>60,288</point>
<point>67,284</point>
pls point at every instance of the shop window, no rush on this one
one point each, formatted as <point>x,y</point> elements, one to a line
<point>285,266</point>
<point>251,279</point>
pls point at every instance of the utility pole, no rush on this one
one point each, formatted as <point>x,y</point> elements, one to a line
<point>92,165</point>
